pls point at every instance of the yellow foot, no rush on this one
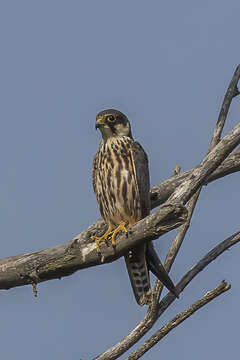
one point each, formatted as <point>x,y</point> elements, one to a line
<point>102,238</point>
<point>121,227</point>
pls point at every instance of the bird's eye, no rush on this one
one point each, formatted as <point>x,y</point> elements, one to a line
<point>110,118</point>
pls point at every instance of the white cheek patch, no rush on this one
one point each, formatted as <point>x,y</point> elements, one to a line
<point>122,130</point>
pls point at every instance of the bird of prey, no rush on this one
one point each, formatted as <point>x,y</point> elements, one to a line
<point>121,184</point>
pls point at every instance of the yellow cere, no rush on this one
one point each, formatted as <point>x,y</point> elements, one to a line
<point>100,120</point>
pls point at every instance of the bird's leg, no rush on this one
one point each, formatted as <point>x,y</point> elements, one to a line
<point>110,231</point>
<point>121,227</point>
<point>102,238</point>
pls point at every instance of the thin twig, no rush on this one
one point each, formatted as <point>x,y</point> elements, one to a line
<point>177,170</point>
<point>178,319</point>
<point>151,316</point>
<point>185,191</point>
<point>232,91</point>
<point>176,244</point>
<point>182,230</point>
<point>197,268</point>
<point>63,260</point>
<point>34,286</point>
<point>161,192</point>
<point>146,324</point>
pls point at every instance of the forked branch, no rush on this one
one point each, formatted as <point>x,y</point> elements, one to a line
<point>163,191</point>
<point>63,260</point>
<point>80,252</point>
<point>178,319</point>
<point>154,313</point>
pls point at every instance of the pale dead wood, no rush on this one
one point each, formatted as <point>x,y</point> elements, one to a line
<point>79,253</point>
<point>181,233</point>
<point>63,260</point>
<point>151,317</point>
<point>231,92</point>
<point>178,319</point>
<point>219,153</point>
<point>161,192</point>
<point>198,267</point>
<point>154,313</point>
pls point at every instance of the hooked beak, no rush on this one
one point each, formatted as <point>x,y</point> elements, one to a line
<point>99,122</point>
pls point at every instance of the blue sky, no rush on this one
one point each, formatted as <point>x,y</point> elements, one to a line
<point>166,65</point>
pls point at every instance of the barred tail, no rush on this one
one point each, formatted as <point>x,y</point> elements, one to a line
<point>138,273</point>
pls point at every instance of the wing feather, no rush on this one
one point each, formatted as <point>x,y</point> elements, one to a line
<point>146,253</point>
<point>136,259</point>
<point>141,172</point>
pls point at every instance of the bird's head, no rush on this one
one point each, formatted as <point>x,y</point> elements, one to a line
<point>113,123</point>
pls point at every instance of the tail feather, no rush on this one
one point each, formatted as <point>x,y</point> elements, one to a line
<point>156,267</point>
<point>139,261</point>
<point>138,273</point>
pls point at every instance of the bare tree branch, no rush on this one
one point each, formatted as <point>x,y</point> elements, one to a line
<point>177,242</point>
<point>63,260</point>
<point>199,175</point>
<point>161,192</point>
<point>79,253</point>
<point>181,233</point>
<point>152,314</point>
<point>232,91</point>
<point>146,324</point>
<point>178,319</point>
<point>198,267</point>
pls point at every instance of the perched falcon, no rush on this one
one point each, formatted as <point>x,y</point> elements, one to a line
<point>121,185</point>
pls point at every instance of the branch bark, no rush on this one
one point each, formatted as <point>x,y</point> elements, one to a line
<point>199,175</point>
<point>178,319</point>
<point>153,314</point>
<point>161,192</point>
<point>80,252</point>
<point>63,260</point>
<point>231,92</point>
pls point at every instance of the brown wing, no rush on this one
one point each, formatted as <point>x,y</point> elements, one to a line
<point>140,166</point>
<point>94,172</point>
<point>96,181</point>
<point>136,258</point>
<point>143,258</point>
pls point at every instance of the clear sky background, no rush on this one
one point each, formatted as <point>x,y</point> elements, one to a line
<point>166,65</point>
